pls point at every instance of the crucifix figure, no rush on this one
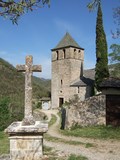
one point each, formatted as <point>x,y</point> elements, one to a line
<point>28,68</point>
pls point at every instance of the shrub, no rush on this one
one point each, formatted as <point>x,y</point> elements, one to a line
<point>39,105</point>
<point>4,113</point>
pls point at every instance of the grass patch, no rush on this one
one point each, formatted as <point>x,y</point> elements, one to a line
<point>54,155</point>
<point>51,153</point>
<point>96,132</point>
<point>55,139</point>
<point>47,149</point>
<point>4,143</point>
<point>88,145</point>
<point>74,157</point>
<point>53,120</point>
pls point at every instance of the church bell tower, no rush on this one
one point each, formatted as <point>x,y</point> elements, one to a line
<point>67,66</point>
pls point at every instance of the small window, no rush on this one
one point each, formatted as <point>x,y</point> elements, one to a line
<point>79,51</point>
<point>61,82</point>
<point>64,53</point>
<point>74,50</point>
<point>57,54</point>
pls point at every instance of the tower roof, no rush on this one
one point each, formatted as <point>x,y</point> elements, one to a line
<point>67,41</point>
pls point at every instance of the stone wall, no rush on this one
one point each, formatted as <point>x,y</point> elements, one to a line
<point>85,92</point>
<point>86,113</point>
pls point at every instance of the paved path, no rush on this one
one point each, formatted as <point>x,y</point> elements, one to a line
<point>103,150</point>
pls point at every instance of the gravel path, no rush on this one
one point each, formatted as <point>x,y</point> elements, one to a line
<point>103,150</point>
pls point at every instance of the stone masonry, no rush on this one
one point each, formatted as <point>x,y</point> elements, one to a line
<point>90,112</point>
<point>67,59</point>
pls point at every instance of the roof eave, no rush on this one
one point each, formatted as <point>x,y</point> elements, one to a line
<point>54,49</point>
<point>107,87</point>
<point>84,85</point>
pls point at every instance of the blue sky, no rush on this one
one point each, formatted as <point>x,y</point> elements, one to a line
<point>39,31</point>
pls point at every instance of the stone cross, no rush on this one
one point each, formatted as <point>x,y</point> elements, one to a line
<point>28,68</point>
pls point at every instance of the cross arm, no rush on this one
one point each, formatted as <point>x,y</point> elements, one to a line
<point>20,68</point>
<point>37,68</point>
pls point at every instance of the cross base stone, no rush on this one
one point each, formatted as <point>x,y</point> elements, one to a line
<point>26,147</point>
<point>26,142</point>
<point>28,121</point>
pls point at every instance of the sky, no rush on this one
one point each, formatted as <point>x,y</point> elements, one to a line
<point>40,31</point>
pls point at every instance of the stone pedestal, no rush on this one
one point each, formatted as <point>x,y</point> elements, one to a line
<point>26,142</point>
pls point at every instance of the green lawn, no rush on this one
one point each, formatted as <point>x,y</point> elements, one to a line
<point>53,120</point>
<point>4,143</point>
<point>96,132</point>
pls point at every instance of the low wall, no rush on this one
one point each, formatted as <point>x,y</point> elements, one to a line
<point>86,113</point>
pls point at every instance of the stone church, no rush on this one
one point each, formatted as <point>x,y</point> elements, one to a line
<point>68,76</point>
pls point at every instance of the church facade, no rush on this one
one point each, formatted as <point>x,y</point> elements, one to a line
<point>68,77</point>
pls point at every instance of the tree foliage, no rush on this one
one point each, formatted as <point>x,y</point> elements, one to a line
<point>4,113</point>
<point>93,4</point>
<point>117,22</point>
<point>13,9</point>
<point>101,50</point>
<point>115,59</point>
<point>115,54</point>
<point>116,15</point>
<point>9,112</point>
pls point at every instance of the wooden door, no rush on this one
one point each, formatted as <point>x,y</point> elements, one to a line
<point>113,110</point>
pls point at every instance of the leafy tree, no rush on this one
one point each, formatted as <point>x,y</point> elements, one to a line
<point>115,59</point>
<point>101,50</point>
<point>9,112</point>
<point>13,9</point>
<point>4,113</point>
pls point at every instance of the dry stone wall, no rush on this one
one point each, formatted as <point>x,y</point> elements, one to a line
<point>90,112</point>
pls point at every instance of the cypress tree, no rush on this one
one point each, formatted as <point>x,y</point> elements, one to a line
<point>101,70</point>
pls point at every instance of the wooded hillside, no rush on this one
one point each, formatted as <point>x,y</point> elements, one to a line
<point>12,86</point>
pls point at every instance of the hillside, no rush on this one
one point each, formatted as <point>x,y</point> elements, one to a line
<point>12,82</point>
<point>41,87</point>
<point>12,86</point>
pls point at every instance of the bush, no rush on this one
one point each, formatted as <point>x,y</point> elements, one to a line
<point>9,112</point>
<point>39,105</point>
<point>4,113</point>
